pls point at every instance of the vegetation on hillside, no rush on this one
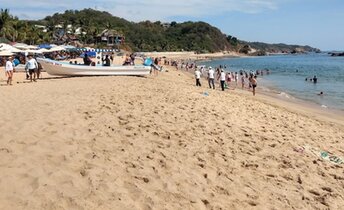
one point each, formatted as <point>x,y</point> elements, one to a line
<point>86,24</point>
<point>275,48</point>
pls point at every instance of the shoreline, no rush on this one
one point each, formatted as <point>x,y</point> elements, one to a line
<point>299,106</point>
<point>275,91</point>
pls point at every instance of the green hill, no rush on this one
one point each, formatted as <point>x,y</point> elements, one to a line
<point>84,28</point>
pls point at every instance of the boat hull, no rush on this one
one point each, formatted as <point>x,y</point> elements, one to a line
<point>60,69</point>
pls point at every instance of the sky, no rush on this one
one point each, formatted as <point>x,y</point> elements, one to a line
<point>318,23</point>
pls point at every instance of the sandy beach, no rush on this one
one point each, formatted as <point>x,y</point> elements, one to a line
<point>159,142</point>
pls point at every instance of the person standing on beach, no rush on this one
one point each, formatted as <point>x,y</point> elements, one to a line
<point>106,60</point>
<point>32,66</point>
<point>9,70</point>
<point>253,81</point>
<point>198,77</point>
<point>87,60</point>
<point>222,78</point>
<point>211,77</point>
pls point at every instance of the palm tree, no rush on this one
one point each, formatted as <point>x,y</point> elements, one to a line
<point>5,19</point>
<point>33,35</point>
<point>51,30</point>
<point>15,29</point>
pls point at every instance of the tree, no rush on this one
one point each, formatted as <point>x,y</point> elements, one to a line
<point>173,23</point>
<point>5,18</point>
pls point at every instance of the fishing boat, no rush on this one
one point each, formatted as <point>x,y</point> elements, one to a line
<point>58,68</point>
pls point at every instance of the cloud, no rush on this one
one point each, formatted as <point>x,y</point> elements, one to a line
<point>138,10</point>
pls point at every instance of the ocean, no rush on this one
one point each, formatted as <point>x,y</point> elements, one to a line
<point>288,73</point>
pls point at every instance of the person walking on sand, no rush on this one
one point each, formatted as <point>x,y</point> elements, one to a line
<point>32,66</point>
<point>222,78</point>
<point>198,77</point>
<point>253,81</point>
<point>9,70</point>
<point>211,77</point>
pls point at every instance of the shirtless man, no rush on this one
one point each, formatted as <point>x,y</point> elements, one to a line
<point>254,84</point>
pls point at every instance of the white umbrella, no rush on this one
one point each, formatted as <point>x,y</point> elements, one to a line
<point>20,45</point>
<point>25,46</point>
<point>33,51</point>
<point>40,51</point>
<point>43,50</point>
<point>57,48</point>
<point>69,47</point>
<point>32,47</point>
<point>5,53</point>
<point>7,47</point>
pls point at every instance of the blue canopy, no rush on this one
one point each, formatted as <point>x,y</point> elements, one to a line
<point>90,54</point>
<point>45,46</point>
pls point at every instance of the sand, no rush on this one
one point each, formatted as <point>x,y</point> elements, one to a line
<point>160,143</point>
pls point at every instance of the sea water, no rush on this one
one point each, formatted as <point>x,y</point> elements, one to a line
<point>288,73</point>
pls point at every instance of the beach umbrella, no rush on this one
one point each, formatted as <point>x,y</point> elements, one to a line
<point>7,47</point>
<point>24,46</point>
<point>57,48</point>
<point>32,47</point>
<point>40,51</point>
<point>20,45</point>
<point>5,53</point>
<point>69,47</point>
<point>43,50</point>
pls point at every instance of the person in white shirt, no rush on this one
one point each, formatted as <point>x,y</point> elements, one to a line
<point>9,70</point>
<point>211,77</point>
<point>222,78</point>
<point>198,77</point>
<point>32,66</point>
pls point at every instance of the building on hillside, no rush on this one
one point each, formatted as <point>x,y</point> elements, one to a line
<point>110,37</point>
<point>43,28</point>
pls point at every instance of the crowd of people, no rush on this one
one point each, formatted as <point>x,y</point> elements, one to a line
<point>221,74</point>
<point>32,67</point>
<point>314,79</point>
<point>226,78</point>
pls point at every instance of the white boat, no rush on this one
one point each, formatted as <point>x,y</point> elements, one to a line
<point>57,68</point>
